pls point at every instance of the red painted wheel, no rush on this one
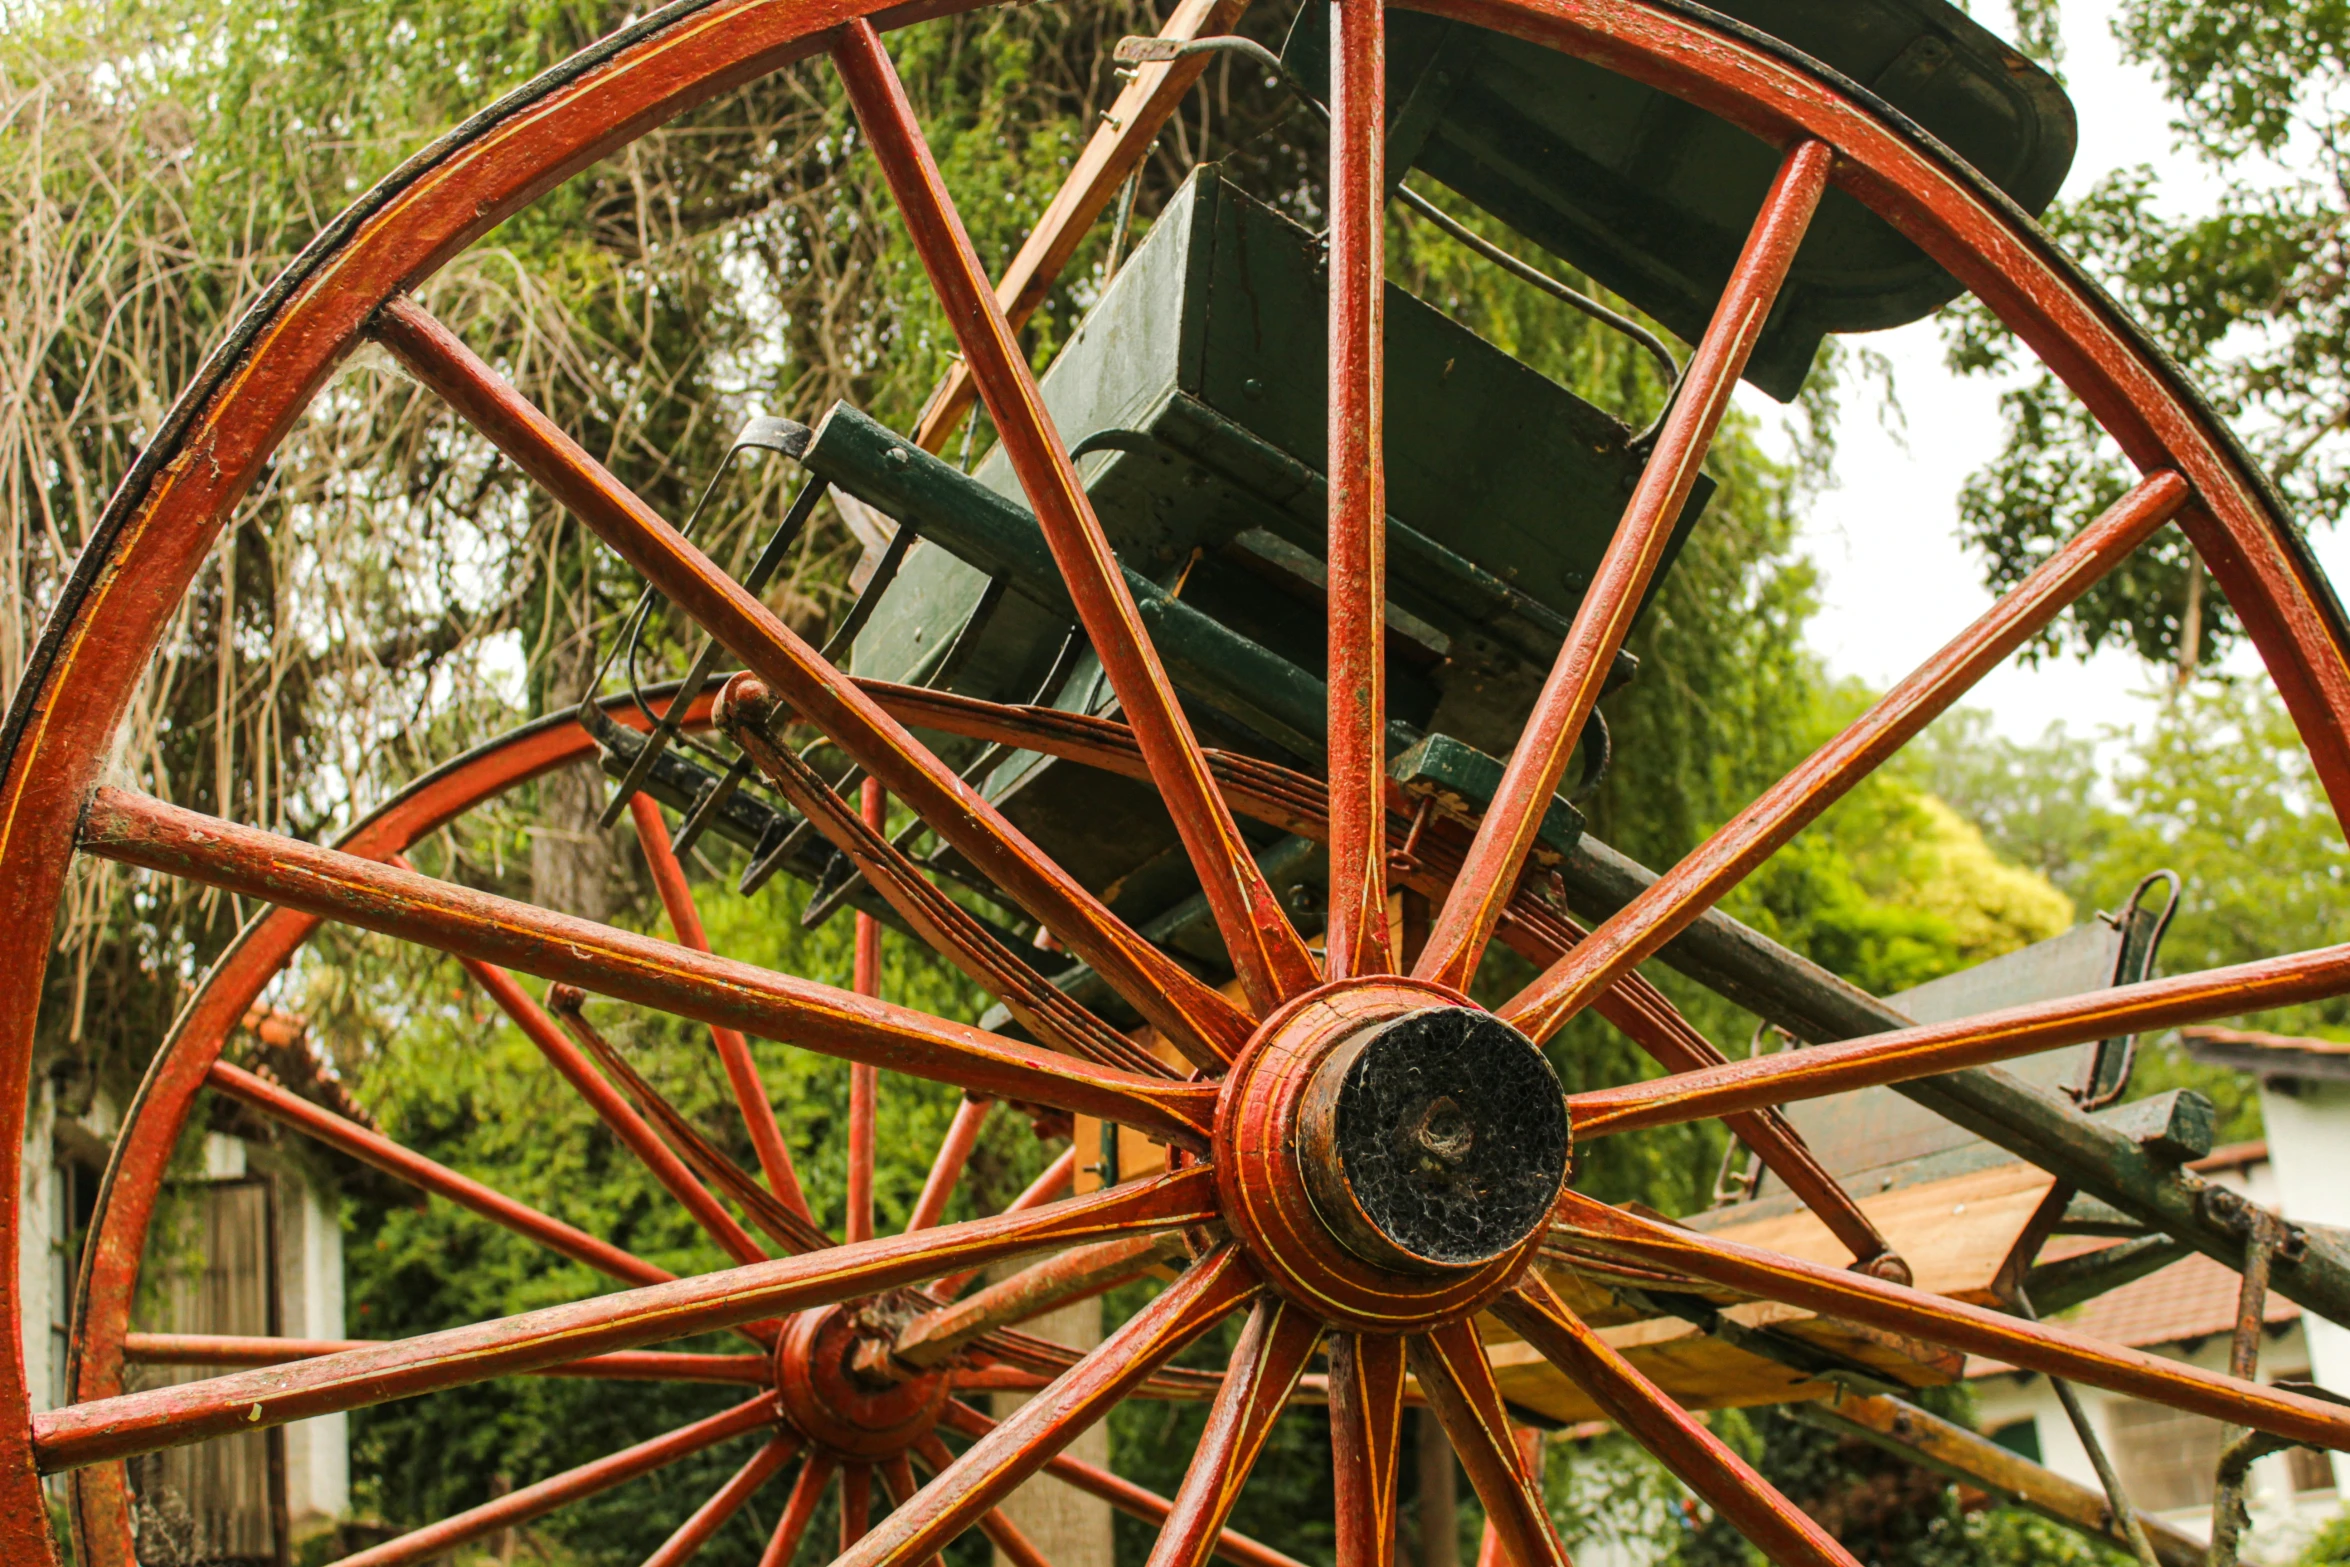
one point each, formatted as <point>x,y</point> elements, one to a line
<point>1283,1172</point>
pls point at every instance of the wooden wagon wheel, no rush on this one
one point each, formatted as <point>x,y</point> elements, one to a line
<point>1284,1172</point>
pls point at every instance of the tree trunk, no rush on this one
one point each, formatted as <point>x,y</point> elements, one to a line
<point>1067,1527</point>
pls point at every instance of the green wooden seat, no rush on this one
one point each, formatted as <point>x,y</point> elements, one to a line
<point>1652,196</point>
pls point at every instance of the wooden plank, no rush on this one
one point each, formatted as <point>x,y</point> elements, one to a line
<point>1954,1233</point>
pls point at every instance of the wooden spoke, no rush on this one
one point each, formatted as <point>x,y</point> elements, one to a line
<point>1187,1011</point>
<point>380,1151</point>
<point>1921,1051</point>
<point>1645,1016</point>
<point>734,1051</point>
<point>954,1151</point>
<point>1357,938</point>
<point>615,1111</point>
<point>856,1504</point>
<point>1133,1500</point>
<point>166,1417</point>
<point>806,1491</point>
<point>1594,1228</point>
<point>1274,1347</point>
<point>713,1514</point>
<point>748,712</point>
<point>707,989</point>
<point>536,1501</point>
<point>1299,803</point>
<point>1690,888</point>
<point>1529,1445</point>
<point>934,1336</point>
<point>1366,1435</point>
<point>1129,128</point>
<point>788,1228</point>
<point>1006,1536</point>
<point>1268,955</point>
<point>989,1469</point>
<point>1464,924</point>
<point>1755,1508</point>
<point>864,1083</point>
<point>897,1477</point>
<point>229,1349</point>
<point>1457,1380</point>
<point>1054,1182</point>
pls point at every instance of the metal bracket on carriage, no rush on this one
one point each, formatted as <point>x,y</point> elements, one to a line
<point>2249,1222</point>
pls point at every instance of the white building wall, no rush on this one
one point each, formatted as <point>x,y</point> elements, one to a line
<point>310,1261</point>
<point>2310,1154</point>
<point>2281,1520</point>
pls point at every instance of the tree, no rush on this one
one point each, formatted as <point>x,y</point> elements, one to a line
<point>2249,298</point>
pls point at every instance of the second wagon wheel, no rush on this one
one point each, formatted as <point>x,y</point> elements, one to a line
<point>952,1343</point>
<point>1367,1164</point>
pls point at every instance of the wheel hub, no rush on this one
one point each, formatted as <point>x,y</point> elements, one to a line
<point>1390,1153</point>
<point>850,1415</point>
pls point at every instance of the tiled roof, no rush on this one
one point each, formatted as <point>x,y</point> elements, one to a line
<point>2270,1055</point>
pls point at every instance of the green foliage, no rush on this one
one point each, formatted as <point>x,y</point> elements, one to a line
<point>2331,1545</point>
<point>2248,298</point>
<point>2221,790</point>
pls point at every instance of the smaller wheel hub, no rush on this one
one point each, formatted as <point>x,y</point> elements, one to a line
<point>851,1415</point>
<point>1389,1153</point>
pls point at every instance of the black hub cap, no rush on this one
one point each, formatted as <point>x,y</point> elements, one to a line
<point>1436,1141</point>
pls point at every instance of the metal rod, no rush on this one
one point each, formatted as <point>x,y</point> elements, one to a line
<point>2239,1447</point>
<point>1952,1450</point>
<point>2117,1500</point>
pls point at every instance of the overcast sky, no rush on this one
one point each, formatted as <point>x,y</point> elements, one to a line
<point>1895,583</point>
